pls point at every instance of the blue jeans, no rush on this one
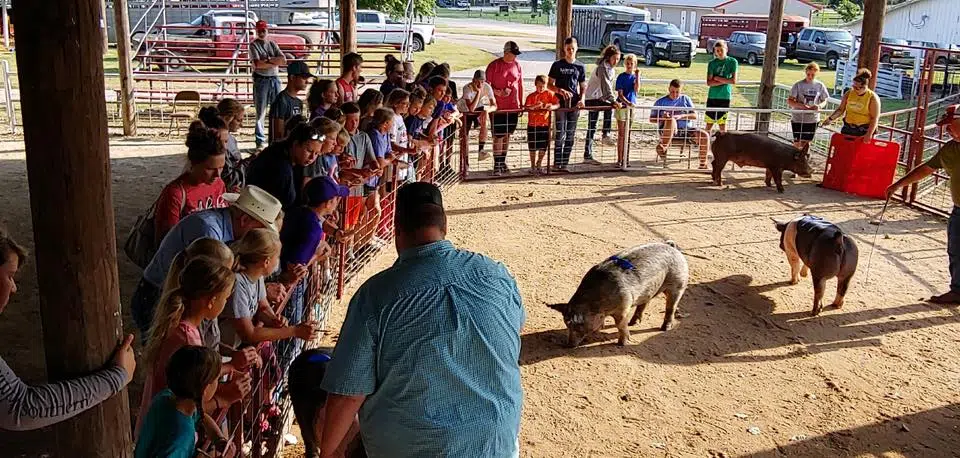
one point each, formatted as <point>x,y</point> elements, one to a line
<point>953,249</point>
<point>566,129</point>
<point>265,90</point>
<point>592,117</point>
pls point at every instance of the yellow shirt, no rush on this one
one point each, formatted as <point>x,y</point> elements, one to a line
<point>858,108</point>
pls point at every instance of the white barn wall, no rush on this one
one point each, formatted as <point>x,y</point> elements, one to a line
<point>792,7</point>
<point>942,24</point>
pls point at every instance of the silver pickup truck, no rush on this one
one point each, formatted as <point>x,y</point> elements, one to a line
<point>749,47</point>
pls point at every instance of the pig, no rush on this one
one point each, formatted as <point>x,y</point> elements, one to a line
<point>759,151</point>
<point>626,280</point>
<point>823,250</point>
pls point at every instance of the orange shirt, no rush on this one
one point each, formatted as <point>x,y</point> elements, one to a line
<point>540,118</point>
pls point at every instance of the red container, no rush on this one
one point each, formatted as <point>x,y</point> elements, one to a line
<point>864,169</point>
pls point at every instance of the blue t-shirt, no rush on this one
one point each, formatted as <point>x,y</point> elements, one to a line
<point>415,126</point>
<point>166,431</point>
<point>300,236</point>
<point>214,223</point>
<point>381,147</point>
<point>625,83</point>
<point>681,102</point>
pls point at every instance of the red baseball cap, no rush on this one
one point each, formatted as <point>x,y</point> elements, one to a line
<point>949,115</point>
<point>261,25</point>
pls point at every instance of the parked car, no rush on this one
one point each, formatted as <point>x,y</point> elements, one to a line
<point>463,4</point>
<point>722,26</point>
<point>820,44</point>
<point>895,54</point>
<point>749,47</point>
<point>656,41</point>
<point>942,59</point>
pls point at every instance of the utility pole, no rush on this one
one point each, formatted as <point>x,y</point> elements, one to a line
<point>564,24</point>
<point>128,108</point>
<point>103,26</point>
<point>771,57</point>
<point>348,27</point>
<point>68,169</point>
<point>871,29</point>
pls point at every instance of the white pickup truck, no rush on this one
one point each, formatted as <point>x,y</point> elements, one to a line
<point>374,27</point>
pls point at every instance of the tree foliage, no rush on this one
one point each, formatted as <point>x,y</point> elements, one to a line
<point>396,8</point>
<point>847,10</point>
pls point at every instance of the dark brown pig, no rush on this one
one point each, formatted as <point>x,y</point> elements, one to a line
<point>758,151</point>
<point>821,247</point>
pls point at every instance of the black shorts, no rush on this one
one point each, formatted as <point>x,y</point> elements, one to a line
<point>682,133</point>
<point>473,119</point>
<point>504,123</point>
<point>538,138</point>
<point>803,130</point>
<point>717,117</point>
<point>854,130</point>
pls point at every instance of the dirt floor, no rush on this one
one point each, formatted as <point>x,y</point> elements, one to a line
<point>746,372</point>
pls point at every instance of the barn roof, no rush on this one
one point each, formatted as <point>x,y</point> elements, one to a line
<point>805,2</point>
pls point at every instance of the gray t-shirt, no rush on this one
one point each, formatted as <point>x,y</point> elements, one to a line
<point>263,50</point>
<point>284,107</point>
<point>814,93</point>
<point>243,303</point>
<point>360,149</point>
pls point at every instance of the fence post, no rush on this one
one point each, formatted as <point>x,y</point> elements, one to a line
<point>8,95</point>
<point>626,141</point>
<point>920,121</point>
<point>465,150</point>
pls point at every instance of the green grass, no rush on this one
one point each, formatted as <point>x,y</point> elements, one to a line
<point>458,56</point>
<point>486,33</point>
<point>522,16</point>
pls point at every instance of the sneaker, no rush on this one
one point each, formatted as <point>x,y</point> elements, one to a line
<point>483,156</point>
<point>560,170</point>
<point>327,276</point>
<point>608,141</point>
<point>591,161</point>
<point>378,242</point>
<point>496,172</point>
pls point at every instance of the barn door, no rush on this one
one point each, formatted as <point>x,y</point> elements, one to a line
<point>683,21</point>
<point>659,13</point>
<point>694,30</point>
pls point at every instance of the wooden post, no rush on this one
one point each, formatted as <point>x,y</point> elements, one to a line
<point>771,56</point>
<point>122,28</point>
<point>348,27</point>
<point>564,24</point>
<point>871,29</point>
<point>103,26</point>
<point>68,168</point>
<point>6,26</point>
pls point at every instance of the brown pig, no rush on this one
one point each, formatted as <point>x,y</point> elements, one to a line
<point>758,151</point>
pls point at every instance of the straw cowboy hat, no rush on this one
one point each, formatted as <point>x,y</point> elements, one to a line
<point>258,204</point>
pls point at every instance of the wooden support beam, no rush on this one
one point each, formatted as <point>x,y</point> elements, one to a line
<point>870,32</point>
<point>564,24</point>
<point>103,26</point>
<point>60,65</point>
<point>348,26</point>
<point>128,108</point>
<point>771,55</point>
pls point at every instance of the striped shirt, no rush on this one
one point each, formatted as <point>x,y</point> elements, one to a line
<point>433,343</point>
<point>24,407</point>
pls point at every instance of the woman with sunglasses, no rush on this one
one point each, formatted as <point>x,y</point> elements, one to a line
<point>860,109</point>
<point>273,169</point>
<point>394,72</point>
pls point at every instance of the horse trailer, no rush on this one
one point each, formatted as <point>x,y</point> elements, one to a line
<point>592,24</point>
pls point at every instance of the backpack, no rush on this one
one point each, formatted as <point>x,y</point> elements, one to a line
<point>141,242</point>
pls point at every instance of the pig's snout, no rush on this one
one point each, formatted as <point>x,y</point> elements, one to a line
<point>574,338</point>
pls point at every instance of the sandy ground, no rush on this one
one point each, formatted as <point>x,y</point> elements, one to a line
<point>876,378</point>
<point>873,379</point>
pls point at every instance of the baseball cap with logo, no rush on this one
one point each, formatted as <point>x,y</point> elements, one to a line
<point>261,25</point>
<point>299,68</point>
<point>949,115</point>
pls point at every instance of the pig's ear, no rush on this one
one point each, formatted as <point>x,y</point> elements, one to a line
<point>780,226</point>
<point>561,307</point>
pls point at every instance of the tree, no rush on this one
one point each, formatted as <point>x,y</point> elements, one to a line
<point>847,10</point>
<point>397,8</point>
<point>547,6</point>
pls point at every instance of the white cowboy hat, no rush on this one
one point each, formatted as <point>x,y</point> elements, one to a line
<point>256,203</point>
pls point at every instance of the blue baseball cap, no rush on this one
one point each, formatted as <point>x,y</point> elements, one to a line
<point>322,189</point>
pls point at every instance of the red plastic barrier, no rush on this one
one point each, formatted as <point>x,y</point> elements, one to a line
<point>864,169</point>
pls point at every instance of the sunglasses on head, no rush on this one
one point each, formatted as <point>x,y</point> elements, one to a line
<point>318,137</point>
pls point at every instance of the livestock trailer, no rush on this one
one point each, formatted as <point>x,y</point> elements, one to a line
<point>720,26</point>
<point>592,24</point>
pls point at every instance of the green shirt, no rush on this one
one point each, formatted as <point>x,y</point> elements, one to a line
<point>948,158</point>
<point>725,68</point>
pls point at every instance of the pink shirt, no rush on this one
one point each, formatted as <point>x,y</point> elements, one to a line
<point>502,75</point>
<point>182,335</point>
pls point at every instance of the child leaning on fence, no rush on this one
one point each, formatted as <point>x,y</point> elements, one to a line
<point>258,255</point>
<point>627,86</point>
<point>540,103</point>
<point>170,426</point>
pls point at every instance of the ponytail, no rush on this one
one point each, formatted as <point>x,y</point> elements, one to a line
<point>166,316</point>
